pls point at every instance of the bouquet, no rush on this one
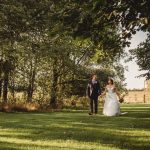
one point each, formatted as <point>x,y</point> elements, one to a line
<point>121,99</point>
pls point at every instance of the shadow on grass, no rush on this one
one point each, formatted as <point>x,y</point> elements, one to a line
<point>122,132</point>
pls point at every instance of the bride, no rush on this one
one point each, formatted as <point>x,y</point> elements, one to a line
<point>111,103</point>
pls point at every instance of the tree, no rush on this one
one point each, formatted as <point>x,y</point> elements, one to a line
<point>49,46</point>
<point>90,18</point>
<point>142,56</point>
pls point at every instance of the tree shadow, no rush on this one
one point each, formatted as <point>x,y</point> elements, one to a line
<point>112,131</point>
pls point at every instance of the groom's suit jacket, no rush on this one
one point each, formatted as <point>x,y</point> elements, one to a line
<point>93,89</point>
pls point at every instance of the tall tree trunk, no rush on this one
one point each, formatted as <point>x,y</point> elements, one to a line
<point>53,99</point>
<point>31,84</point>
<point>13,88</point>
<point>1,79</point>
<point>6,81</point>
<point>29,93</point>
<point>1,84</point>
<point>5,87</point>
<point>61,77</point>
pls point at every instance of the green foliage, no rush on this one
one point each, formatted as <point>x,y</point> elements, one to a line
<point>51,47</point>
<point>76,102</point>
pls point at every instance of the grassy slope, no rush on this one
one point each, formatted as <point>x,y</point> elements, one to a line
<point>75,130</point>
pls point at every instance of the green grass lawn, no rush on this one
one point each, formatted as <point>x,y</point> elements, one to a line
<point>75,130</point>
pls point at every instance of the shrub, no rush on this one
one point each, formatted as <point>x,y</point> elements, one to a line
<point>76,102</point>
<point>19,107</point>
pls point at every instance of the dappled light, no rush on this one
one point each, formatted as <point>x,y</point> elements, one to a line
<point>76,130</point>
<point>63,75</point>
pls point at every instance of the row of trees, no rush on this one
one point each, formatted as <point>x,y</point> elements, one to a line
<point>48,49</point>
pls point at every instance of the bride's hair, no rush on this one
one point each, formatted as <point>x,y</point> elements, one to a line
<point>111,79</point>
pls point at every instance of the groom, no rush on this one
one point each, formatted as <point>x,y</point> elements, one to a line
<point>93,91</point>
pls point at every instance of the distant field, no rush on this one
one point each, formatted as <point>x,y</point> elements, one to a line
<point>75,130</point>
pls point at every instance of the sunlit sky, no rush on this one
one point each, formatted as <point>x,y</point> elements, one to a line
<point>133,69</point>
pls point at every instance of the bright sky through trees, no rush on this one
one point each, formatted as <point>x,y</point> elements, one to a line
<point>133,69</point>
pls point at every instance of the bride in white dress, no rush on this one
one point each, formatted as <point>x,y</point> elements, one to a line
<point>111,104</point>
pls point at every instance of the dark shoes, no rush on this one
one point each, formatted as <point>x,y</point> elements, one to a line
<point>92,114</point>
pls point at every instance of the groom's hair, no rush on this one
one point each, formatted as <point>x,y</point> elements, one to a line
<point>94,74</point>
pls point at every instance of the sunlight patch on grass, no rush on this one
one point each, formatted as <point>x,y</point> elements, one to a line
<point>76,130</point>
<point>68,144</point>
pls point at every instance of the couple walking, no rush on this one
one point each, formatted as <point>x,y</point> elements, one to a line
<point>111,103</point>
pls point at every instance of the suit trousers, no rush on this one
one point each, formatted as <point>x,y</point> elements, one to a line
<point>94,105</point>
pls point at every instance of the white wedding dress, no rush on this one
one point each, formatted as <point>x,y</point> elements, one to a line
<point>111,104</point>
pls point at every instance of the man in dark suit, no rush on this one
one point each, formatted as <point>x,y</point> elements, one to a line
<point>93,91</point>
